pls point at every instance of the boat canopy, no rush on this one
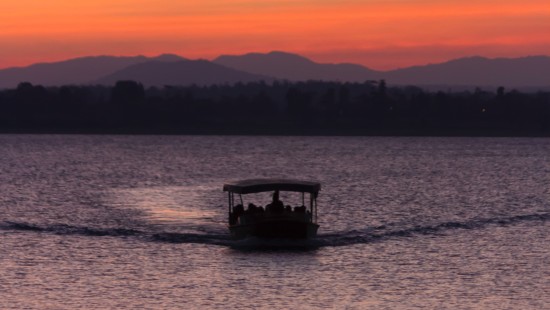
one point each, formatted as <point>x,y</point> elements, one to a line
<point>265,185</point>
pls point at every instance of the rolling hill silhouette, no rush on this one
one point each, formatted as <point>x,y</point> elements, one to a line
<point>470,71</point>
<point>186,72</point>
<point>477,71</point>
<point>294,67</point>
<point>74,71</point>
<point>526,72</point>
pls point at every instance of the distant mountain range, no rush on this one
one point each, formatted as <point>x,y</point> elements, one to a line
<point>183,72</point>
<point>294,67</point>
<point>527,72</point>
<point>74,71</point>
<point>530,71</point>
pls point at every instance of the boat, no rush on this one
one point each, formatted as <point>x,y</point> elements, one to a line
<point>275,220</point>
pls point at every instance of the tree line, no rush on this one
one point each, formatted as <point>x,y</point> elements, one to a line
<point>313,107</point>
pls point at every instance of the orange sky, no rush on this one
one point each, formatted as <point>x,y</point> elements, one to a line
<point>381,34</point>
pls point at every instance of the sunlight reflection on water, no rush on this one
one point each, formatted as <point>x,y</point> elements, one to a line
<point>166,204</point>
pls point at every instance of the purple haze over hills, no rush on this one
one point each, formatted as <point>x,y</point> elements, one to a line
<point>187,72</point>
<point>286,66</point>
<point>532,71</point>
<point>526,72</point>
<point>511,72</point>
<point>75,71</point>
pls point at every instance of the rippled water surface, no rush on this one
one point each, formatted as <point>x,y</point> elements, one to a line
<point>112,222</point>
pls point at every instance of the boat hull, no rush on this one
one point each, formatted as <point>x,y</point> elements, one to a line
<point>285,229</point>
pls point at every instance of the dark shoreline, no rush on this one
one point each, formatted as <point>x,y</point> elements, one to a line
<point>272,132</point>
<point>284,109</point>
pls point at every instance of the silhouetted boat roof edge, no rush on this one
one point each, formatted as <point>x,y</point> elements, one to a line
<point>250,186</point>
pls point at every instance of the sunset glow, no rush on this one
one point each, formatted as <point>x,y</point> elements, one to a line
<point>375,33</point>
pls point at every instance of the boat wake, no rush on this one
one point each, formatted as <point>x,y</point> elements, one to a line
<point>221,238</point>
<point>171,237</point>
<point>63,229</point>
<point>382,233</point>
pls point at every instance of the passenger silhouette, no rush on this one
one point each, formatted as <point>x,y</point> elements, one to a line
<point>276,205</point>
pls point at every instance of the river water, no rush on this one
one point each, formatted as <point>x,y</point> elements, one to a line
<point>138,222</point>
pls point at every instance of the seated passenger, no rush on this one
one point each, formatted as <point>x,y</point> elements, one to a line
<point>277,205</point>
<point>251,208</point>
<point>238,210</point>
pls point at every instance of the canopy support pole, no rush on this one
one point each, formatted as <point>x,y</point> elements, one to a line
<point>230,206</point>
<point>311,205</point>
